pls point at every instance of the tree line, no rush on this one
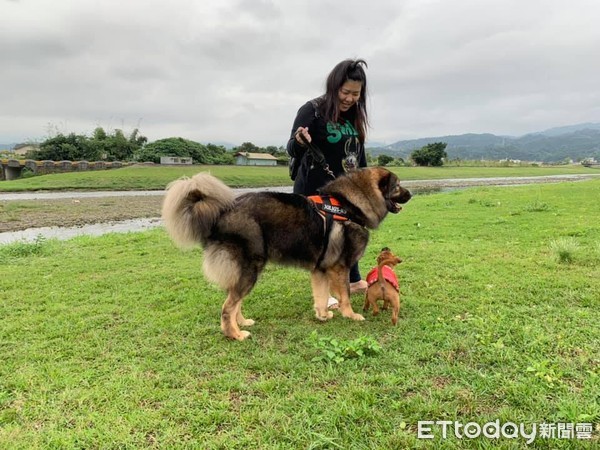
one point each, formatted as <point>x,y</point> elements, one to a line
<point>432,155</point>
<point>101,146</point>
<point>116,146</point>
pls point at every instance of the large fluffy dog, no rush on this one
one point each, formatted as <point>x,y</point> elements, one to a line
<point>240,235</point>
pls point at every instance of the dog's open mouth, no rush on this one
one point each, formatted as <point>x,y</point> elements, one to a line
<point>394,205</point>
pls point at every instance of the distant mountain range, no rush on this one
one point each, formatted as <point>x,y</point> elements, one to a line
<point>7,146</point>
<point>574,142</point>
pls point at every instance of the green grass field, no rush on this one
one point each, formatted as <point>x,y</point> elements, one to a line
<point>156,178</point>
<point>114,342</point>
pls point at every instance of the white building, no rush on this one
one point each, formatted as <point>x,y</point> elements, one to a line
<point>254,159</point>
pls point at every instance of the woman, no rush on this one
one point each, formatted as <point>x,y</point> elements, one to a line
<point>336,123</point>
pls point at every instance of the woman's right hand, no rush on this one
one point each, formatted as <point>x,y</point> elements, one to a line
<point>305,133</point>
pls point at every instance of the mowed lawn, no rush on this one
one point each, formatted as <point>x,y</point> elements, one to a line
<point>158,177</point>
<point>114,341</point>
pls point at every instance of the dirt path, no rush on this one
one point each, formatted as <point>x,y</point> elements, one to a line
<point>20,211</point>
<point>22,214</point>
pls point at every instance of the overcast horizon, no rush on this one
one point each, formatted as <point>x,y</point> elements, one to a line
<point>234,71</point>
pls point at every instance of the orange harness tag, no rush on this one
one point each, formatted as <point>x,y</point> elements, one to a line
<point>329,206</point>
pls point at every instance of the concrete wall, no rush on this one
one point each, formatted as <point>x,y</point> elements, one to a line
<point>11,169</point>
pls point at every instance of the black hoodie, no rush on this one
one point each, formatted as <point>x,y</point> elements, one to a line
<point>339,143</point>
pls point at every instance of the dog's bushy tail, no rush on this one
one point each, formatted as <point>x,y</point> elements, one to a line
<point>193,205</point>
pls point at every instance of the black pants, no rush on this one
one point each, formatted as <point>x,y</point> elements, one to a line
<point>354,274</point>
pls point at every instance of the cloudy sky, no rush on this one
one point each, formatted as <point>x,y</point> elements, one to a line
<point>238,70</point>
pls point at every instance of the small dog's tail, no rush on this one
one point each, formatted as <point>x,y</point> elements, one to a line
<point>380,278</point>
<point>193,205</point>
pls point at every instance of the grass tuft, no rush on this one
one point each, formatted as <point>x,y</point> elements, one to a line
<point>564,250</point>
<point>24,249</point>
<point>537,206</point>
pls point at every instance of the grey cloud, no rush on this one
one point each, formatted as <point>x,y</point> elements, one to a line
<point>237,70</point>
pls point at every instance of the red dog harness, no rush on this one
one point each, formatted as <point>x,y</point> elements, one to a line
<point>388,275</point>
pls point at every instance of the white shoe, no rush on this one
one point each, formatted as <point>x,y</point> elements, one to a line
<point>332,303</point>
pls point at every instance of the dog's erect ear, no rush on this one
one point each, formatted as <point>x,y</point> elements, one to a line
<point>387,183</point>
<point>385,249</point>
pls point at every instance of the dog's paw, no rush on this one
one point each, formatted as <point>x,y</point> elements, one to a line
<point>349,314</point>
<point>243,335</point>
<point>356,316</point>
<point>327,316</point>
<point>246,323</point>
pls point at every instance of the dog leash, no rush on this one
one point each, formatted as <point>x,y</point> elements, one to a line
<point>317,155</point>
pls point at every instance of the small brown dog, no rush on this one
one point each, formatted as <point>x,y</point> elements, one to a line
<point>383,285</point>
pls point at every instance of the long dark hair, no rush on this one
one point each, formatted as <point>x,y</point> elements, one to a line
<point>349,69</point>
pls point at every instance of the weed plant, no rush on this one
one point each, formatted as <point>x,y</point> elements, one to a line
<point>564,249</point>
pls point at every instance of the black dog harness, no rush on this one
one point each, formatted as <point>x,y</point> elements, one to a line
<point>330,209</point>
